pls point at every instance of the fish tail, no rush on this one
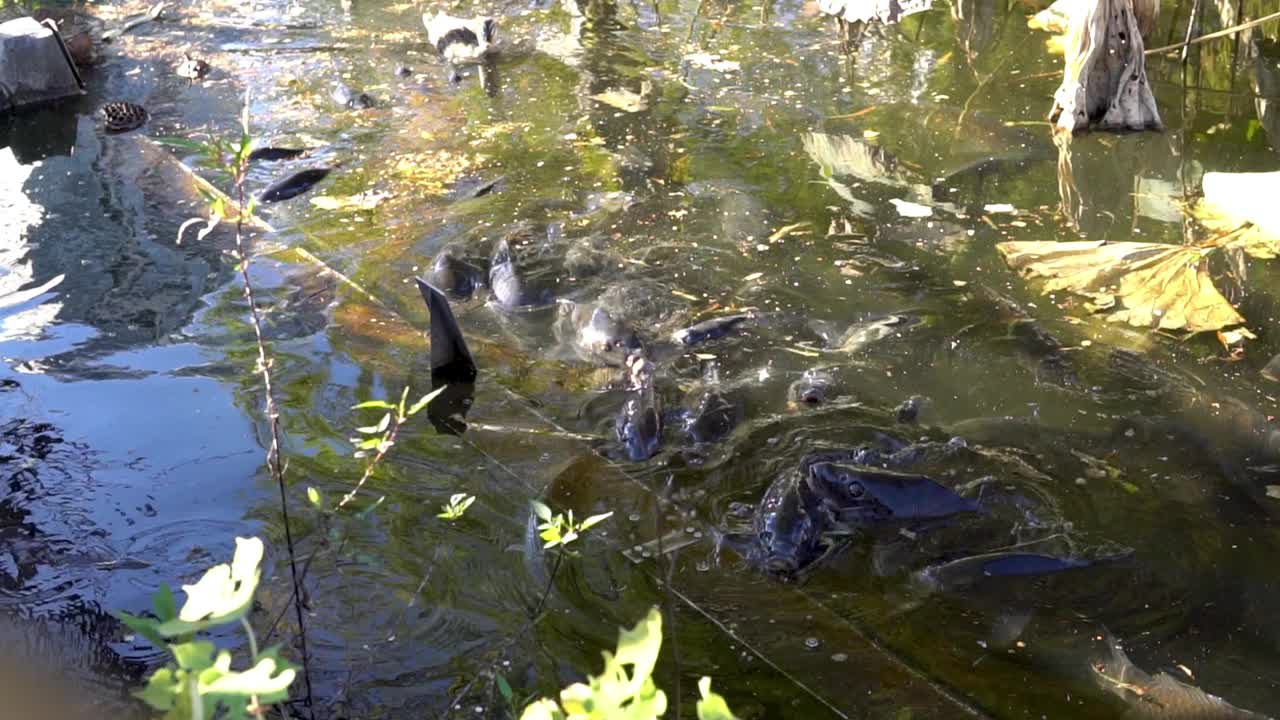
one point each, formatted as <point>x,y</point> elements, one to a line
<point>449,353</point>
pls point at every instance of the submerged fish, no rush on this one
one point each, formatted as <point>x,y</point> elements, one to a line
<point>711,329</point>
<point>270,154</point>
<point>510,289</point>
<point>456,276</point>
<point>861,496</point>
<point>639,424</point>
<point>294,185</point>
<point>595,333</point>
<point>1161,695</point>
<point>347,97</point>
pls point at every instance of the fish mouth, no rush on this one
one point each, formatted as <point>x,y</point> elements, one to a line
<point>812,396</point>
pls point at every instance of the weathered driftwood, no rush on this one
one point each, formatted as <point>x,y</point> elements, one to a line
<point>1105,79</point>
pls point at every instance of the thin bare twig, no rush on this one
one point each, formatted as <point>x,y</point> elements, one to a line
<point>273,416</point>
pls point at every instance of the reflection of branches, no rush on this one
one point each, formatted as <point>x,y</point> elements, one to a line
<point>1069,195</point>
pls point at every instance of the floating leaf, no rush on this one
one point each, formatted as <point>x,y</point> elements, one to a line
<point>622,99</point>
<point>909,209</point>
<point>1142,284</point>
<point>367,200</point>
<point>791,229</point>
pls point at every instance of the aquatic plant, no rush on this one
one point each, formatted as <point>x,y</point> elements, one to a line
<point>198,682</point>
<point>559,530</point>
<point>618,694</point>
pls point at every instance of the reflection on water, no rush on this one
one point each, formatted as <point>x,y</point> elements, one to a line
<point>845,209</point>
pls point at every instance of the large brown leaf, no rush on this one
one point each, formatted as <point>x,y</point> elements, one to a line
<point>1142,284</point>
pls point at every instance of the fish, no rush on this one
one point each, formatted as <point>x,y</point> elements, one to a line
<point>450,358</point>
<point>1160,696</point>
<point>711,329</point>
<point>347,97</point>
<point>596,334</point>
<point>968,571</point>
<point>456,276</point>
<point>711,415</point>
<point>270,154</point>
<point>815,387</point>
<point>509,287</point>
<point>294,185</point>
<point>859,496</point>
<point>788,527</point>
<point>639,423</point>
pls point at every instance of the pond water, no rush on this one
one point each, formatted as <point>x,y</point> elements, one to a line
<point>755,166</point>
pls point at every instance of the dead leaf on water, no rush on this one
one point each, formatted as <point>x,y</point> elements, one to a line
<point>366,200</point>
<point>1142,284</point>
<point>792,229</point>
<point>623,99</point>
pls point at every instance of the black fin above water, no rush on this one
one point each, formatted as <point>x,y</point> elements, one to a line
<point>450,359</point>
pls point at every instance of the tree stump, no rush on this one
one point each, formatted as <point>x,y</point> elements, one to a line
<point>1104,85</point>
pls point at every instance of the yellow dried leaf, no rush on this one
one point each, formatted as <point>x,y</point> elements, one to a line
<point>1142,284</point>
<point>791,229</point>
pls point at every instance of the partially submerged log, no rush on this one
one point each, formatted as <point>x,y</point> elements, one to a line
<point>1105,86</point>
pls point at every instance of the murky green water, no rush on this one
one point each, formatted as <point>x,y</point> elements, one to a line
<point>136,370</point>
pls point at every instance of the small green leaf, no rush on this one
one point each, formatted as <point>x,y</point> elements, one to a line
<point>541,510</point>
<point>404,398</point>
<point>313,495</point>
<point>193,656</point>
<point>162,602</point>
<point>384,423</point>
<point>146,627</point>
<point>181,143</point>
<point>503,688</point>
<point>595,519</point>
<point>425,400</point>
<point>163,687</point>
<point>372,507</point>
<point>380,404</point>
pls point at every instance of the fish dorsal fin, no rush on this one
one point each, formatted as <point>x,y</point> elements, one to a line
<point>449,353</point>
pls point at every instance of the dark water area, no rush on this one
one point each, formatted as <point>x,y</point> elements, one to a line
<point>753,166</point>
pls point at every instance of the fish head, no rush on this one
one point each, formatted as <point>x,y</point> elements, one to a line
<point>788,528</point>
<point>814,388</point>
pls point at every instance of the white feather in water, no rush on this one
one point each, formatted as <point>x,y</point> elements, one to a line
<point>461,40</point>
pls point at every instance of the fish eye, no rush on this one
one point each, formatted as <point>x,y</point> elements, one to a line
<point>855,489</point>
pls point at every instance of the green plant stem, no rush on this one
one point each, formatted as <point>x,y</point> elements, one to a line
<point>197,703</point>
<point>383,448</point>
<point>253,661</point>
<point>273,417</point>
<point>253,641</point>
